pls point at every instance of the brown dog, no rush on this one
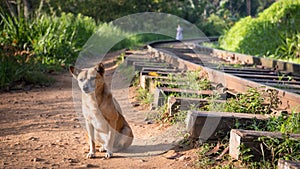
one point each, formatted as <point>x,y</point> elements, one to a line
<point>104,122</point>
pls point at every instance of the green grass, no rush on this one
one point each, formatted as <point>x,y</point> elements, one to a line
<point>144,96</point>
<point>51,42</point>
<point>254,101</point>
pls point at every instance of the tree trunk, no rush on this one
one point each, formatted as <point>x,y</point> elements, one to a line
<point>249,7</point>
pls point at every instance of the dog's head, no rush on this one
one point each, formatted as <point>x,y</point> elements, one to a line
<point>87,78</point>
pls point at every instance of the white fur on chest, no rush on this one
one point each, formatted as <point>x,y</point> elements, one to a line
<point>92,113</point>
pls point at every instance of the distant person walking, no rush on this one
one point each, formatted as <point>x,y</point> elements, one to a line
<point>179,33</point>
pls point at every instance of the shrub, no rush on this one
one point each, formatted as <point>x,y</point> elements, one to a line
<point>20,67</point>
<point>54,40</point>
<point>264,34</point>
<point>39,43</point>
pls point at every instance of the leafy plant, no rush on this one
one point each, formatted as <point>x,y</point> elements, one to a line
<point>285,123</point>
<point>286,148</point>
<point>289,47</point>
<point>281,19</point>
<point>20,67</point>
<point>254,101</point>
<point>190,80</point>
<point>160,115</point>
<point>145,96</point>
<point>281,148</point>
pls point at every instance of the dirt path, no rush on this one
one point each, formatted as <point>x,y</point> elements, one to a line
<point>40,129</point>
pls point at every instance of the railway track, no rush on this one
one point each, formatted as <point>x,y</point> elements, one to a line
<point>234,71</point>
<point>179,96</point>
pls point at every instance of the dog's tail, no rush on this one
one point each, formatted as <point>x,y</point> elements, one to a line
<point>124,139</point>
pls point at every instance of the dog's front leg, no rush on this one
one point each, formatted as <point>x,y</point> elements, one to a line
<point>110,141</point>
<point>90,130</point>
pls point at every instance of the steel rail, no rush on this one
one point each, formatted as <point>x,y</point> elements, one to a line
<point>229,76</point>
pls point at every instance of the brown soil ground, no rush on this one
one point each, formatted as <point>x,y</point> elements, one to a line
<point>39,128</point>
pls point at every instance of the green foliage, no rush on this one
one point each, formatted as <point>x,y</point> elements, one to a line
<point>144,96</point>
<point>255,101</point>
<point>286,148</point>
<point>191,80</point>
<point>285,123</point>
<point>215,25</point>
<point>208,157</point>
<point>50,41</point>
<point>136,41</point>
<point>54,40</point>
<point>60,39</point>
<point>160,115</point>
<point>281,148</point>
<point>289,48</point>
<point>19,68</point>
<point>264,35</point>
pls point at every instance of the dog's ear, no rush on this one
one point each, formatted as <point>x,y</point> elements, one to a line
<point>74,71</point>
<point>100,68</point>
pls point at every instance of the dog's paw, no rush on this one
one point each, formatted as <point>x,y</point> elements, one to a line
<point>108,154</point>
<point>91,155</point>
<point>102,149</point>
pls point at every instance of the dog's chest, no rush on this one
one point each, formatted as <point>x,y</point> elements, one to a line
<point>93,115</point>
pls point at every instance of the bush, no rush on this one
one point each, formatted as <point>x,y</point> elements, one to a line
<point>52,41</point>
<point>40,43</point>
<point>20,67</point>
<point>263,35</point>
<point>215,25</point>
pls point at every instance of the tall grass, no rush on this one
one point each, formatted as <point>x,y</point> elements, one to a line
<point>54,40</point>
<point>49,41</point>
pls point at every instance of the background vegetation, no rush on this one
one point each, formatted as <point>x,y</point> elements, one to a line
<point>275,32</point>
<point>38,36</point>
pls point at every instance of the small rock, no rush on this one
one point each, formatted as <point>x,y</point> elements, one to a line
<point>142,160</point>
<point>46,162</point>
<point>37,160</point>
<point>33,138</point>
<point>184,158</point>
<point>75,119</point>
<point>135,104</point>
<point>90,165</point>
<point>171,154</point>
<point>60,145</point>
<point>38,148</point>
<point>55,165</point>
<point>149,122</point>
<point>70,160</point>
<point>39,102</point>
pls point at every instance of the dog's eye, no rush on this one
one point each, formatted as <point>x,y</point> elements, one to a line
<point>81,79</point>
